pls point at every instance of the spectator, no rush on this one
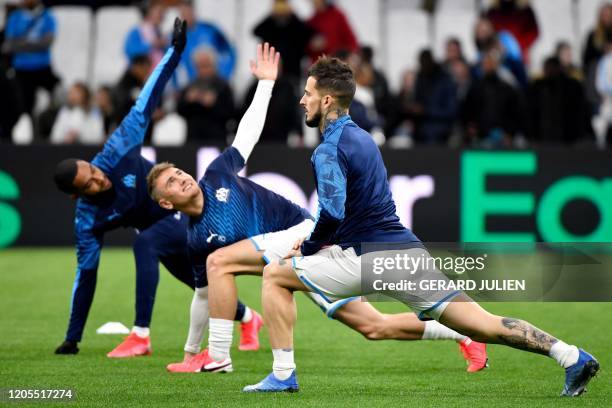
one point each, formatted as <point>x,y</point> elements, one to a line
<point>334,32</point>
<point>104,105</point>
<point>601,121</point>
<point>518,18</point>
<point>76,122</point>
<point>556,106</point>
<point>596,39</point>
<point>147,36</point>
<point>453,51</point>
<point>563,52</point>
<point>288,34</point>
<point>461,74</point>
<point>379,85</point>
<point>284,116</point>
<point>125,92</point>
<point>402,120</point>
<point>593,51</point>
<point>30,31</point>
<point>435,104</point>
<point>493,108</point>
<point>207,103</point>
<point>512,68</point>
<point>363,109</point>
<point>201,34</point>
<point>10,104</point>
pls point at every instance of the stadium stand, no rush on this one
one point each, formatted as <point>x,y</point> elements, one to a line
<point>111,26</point>
<point>405,23</point>
<point>72,43</point>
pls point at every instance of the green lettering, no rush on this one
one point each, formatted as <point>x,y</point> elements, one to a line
<point>10,221</point>
<point>477,203</point>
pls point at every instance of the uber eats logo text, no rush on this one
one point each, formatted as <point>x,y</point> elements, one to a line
<point>10,221</point>
<point>477,203</point>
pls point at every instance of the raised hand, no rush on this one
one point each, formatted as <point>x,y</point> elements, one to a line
<point>179,34</point>
<point>266,65</point>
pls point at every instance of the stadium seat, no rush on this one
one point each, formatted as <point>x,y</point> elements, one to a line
<point>410,4</point>
<point>71,50</point>
<point>23,131</point>
<point>458,24</point>
<point>170,131</point>
<point>364,17</point>
<point>302,8</point>
<point>407,33</point>
<point>556,23</point>
<point>112,25</point>
<point>251,14</point>
<point>457,6</point>
<point>222,14</point>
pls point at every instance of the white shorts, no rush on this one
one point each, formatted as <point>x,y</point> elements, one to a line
<point>276,245</point>
<point>335,273</point>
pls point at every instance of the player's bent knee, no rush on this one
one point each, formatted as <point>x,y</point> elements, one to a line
<point>215,263</point>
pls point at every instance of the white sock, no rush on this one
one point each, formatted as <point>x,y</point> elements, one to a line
<point>564,354</point>
<point>283,363</point>
<point>436,331</point>
<point>142,332</point>
<point>220,336</point>
<point>198,320</point>
<point>248,315</point>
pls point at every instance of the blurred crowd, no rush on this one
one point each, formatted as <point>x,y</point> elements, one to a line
<point>491,101</point>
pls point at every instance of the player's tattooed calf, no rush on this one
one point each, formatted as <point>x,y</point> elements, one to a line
<point>524,336</point>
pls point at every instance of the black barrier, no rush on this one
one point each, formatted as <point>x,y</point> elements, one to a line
<point>556,194</point>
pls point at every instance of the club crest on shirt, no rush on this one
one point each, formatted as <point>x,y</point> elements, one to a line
<point>222,194</point>
<point>129,181</point>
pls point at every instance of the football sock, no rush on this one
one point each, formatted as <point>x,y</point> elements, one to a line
<point>198,320</point>
<point>142,332</point>
<point>220,338</point>
<point>248,315</point>
<point>564,354</point>
<point>436,331</point>
<point>283,363</point>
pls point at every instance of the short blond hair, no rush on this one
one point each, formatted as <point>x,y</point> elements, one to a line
<point>154,175</point>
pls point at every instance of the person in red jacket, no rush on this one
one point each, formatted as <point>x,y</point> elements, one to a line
<point>517,17</point>
<point>333,28</point>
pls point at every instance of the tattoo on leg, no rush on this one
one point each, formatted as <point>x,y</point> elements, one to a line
<point>282,262</point>
<point>524,336</point>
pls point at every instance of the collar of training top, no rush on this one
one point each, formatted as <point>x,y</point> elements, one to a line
<point>335,124</point>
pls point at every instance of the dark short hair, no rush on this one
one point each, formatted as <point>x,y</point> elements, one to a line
<point>64,175</point>
<point>336,77</point>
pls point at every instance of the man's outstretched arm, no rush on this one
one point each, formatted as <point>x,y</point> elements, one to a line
<point>132,130</point>
<point>265,68</point>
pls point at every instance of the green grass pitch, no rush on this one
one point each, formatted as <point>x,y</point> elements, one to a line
<point>336,366</point>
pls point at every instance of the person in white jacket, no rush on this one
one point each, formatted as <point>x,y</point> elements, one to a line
<point>76,121</point>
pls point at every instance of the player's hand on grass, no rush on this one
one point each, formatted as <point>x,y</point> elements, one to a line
<point>67,347</point>
<point>266,65</point>
<point>179,35</point>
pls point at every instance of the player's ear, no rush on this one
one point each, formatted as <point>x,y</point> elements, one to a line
<point>165,204</point>
<point>327,101</point>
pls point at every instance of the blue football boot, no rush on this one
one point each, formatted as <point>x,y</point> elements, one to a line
<point>272,384</point>
<point>577,376</point>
